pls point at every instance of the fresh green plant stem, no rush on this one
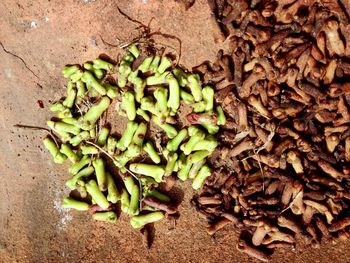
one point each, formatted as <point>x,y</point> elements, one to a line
<point>69,202</point>
<point>96,194</point>
<point>141,220</point>
<point>153,171</point>
<point>156,194</point>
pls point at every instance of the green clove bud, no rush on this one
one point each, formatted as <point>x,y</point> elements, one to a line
<point>67,151</point>
<point>149,149</point>
<point>132,152</point>
<point>186,97</point>
<point>221,116</point>
<point>173,144</point>
<point>76,76</point>
<point>93,114</point>
<point>210,127</point>
<point>198,156</point>
<point>171,161</point>
<point>109,216</point>
<point>195,169</point>
<point>69,202</point>
<point>181,77</point>
<point>128,105</point>
<point>112,91</point>
<point>134,50</point>
<point>102,137</point>
<point>96,194</point>
<point>125,201</point>
<point>170,130</point>
<point>198,181</point>
<point>209,144</point>
<point>185,167</point>
<point>194,139</point>
<point>148,104</point>
<point>75,168</point>
<point>208,97</point>
<point>140,134</point>
<point>101,64</point>
<point>174,93</point>
<point>143,114</point>
<point>155,63</point>
<point>165,63</point>
<point>50,145</point>
<point>111,145</point>
<point>127,136</point>
<point>113,193</point>
<point>76,140</point>
<point>81,91</point>
<point>199,106</point>
<point>72,93</point>
<point>195,86</point>
<point>161,95</point>
<point>100,172</point>
<point>57,107</point>
<point>63,127</point>
<point>90,80</point>
<point>69,70</point>
<point>88,149</point>
<point>157,79</point>
<point>72,182</point>
<point>141,220</point>
<point>156,194</point>
<point>153,171</point>
<point>145,65</point>
<point>134,201</point>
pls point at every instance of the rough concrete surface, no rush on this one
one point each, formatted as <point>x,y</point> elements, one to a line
<point>37,39</point>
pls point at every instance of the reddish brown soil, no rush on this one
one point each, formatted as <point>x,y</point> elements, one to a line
<point>38,38</point>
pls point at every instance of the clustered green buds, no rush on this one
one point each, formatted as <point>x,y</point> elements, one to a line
<point>150,94</point>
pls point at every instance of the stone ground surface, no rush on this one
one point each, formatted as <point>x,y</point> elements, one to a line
<point>37,39</point>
